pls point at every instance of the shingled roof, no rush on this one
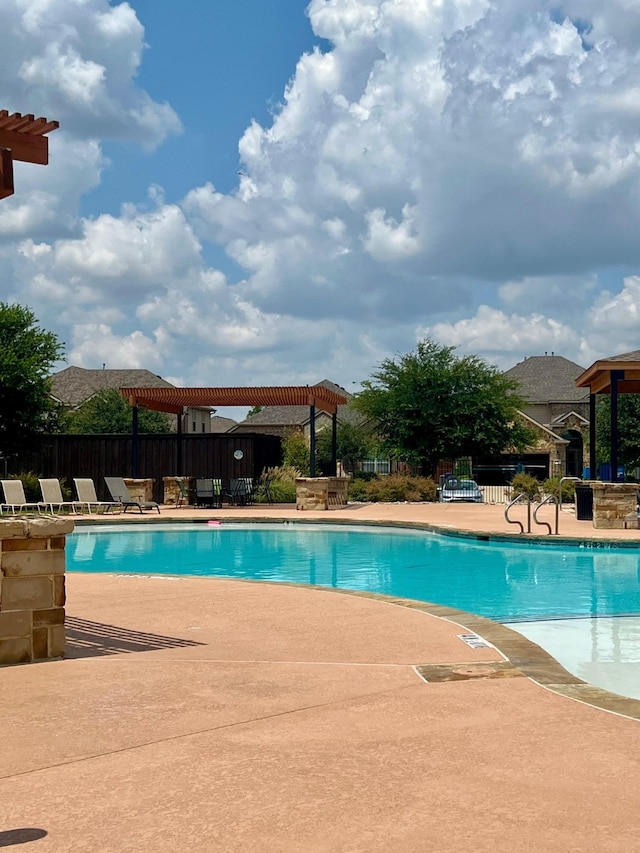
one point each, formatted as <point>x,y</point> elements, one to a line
<point>73,385</point>
<point>548,379</point>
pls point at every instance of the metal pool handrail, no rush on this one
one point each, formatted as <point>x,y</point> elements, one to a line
<point>515,521</point>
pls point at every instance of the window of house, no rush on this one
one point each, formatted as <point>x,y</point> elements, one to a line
<point>194,426</point>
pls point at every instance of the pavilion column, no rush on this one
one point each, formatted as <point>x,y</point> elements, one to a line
<point>616,376</point>
<point>312,440</point>
<point>593,471</point>
<point>179,471</point>
<point>134,440</point>
<point>334,444</point>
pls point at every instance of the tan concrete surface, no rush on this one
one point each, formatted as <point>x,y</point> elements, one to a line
<point>213,715</point>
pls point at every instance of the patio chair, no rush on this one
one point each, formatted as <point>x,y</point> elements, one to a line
<point>183,492</point>
<point>14,497</point>
<point>87,497</point>
<point>120,493</point>
<point>241,491</point>
<point>52,496</point>
<point>208,491</point>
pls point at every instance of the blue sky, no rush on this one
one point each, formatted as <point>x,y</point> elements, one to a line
<point>279,192</point>
<point>219,64</point>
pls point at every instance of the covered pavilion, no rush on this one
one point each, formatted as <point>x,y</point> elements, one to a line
<point>22,137</point>
<point>175,400</point>
<point>618,374</point>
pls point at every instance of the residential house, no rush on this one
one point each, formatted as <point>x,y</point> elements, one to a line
<point>558,412</point>
<point>73,386</point>
<point>283,420</point>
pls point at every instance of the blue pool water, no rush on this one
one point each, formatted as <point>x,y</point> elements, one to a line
<point>503,581</point>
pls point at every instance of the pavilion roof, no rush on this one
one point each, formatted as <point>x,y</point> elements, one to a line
<point>22,137</point>
<point>598,377</point>
<point>176,399</point>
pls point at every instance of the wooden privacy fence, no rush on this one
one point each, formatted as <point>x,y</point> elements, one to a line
<point>100,456</point>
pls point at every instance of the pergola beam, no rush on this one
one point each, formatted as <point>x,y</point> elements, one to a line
<point>22,137</point>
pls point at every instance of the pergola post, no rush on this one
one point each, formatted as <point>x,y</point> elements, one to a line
<point>312,440</point>
<point>134,440</point>
<point>334,444</point>
<point>616,376</point>
<point>179,471</point>
<point>593,471</point>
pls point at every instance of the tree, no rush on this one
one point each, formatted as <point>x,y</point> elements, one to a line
<point>27,354</point>
<point>628,430</point>
<point>295,452</point>
<point>108,412</point>
<point>431,405</point>
<point>353,444</point>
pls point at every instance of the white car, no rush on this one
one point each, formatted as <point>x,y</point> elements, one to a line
<point>460,491</point>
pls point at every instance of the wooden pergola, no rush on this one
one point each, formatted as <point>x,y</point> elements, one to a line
<point>618,374</point>
<point>22,137</point>
<point>175,400</point>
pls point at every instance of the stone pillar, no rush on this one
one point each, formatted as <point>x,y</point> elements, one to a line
<point>32,588</point>
<point>615,505</point>
<point>172,490</point>
<point>140,489</point>
<point>321,492</point>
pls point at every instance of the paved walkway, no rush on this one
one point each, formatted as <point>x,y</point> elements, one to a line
<point>215,715</point>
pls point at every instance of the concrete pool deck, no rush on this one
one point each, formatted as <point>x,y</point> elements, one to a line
<point>217,715</point>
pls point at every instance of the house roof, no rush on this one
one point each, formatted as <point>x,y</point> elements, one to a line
<point>297,416</point>
<point>220,424</point>
<point>73,385</point>
<point>548,379</point>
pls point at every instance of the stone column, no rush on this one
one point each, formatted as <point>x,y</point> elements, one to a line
<point>615,505</point>
<point>32,588</point>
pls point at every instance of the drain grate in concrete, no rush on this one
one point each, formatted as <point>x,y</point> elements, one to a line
<point>435,673</point>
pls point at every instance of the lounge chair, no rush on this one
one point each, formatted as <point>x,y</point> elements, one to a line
<point>183,492</point>
<point>14,497</point>
<point>87,497</point>
<point>52,496</point>
<point>120,494</point>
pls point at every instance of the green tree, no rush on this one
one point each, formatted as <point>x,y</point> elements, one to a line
<point>109,412</point>
<point>27,354</point>
<point>353,444</point>
<point>628,429</point>
<point>295,452</point>
<point>431,405</point>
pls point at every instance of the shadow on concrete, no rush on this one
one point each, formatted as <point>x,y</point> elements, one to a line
<point>87,639</point>
<point>21,836</point>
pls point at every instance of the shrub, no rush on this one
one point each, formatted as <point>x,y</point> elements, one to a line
<point>393,488</point>
<point>358,490</point>
<point>525,484</point>
<point>279,482</point>
<point>295,450</point>
<point>30,484</point>
<point>552,485</point>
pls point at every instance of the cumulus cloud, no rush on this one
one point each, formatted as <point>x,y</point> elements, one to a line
<point>466,170</point>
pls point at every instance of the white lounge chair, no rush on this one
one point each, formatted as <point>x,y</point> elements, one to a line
<point>14,497</point>
<point>120,493</point>
<point>52,496</point>
<point>87,497</point>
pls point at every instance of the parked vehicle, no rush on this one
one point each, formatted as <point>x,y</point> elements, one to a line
<point>454,490</point>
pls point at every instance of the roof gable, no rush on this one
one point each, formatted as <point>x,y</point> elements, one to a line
<point>73,385</point>
<point>548,379</point>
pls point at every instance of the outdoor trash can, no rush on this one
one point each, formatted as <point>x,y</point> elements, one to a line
<point>584,503</point>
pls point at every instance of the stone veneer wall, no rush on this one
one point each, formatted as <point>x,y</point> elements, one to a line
<point>615,505</point>
<point>140,489</point>
<point>321,492</point>
<point>32,588</point>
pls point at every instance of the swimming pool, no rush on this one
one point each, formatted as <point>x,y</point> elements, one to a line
<point>501,580</point>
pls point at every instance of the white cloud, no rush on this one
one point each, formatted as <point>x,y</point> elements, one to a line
<point>467,169</point>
